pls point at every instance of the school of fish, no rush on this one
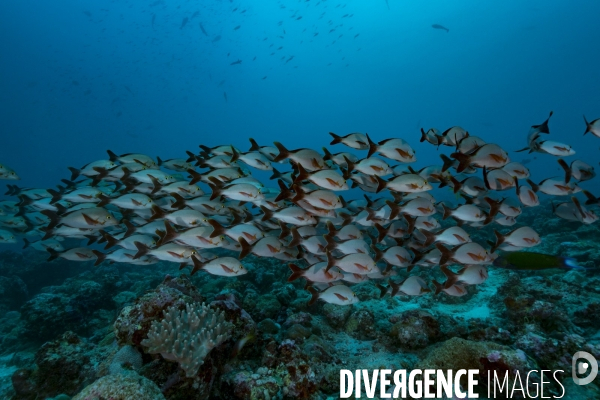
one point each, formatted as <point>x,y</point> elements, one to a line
<point>139,210</point>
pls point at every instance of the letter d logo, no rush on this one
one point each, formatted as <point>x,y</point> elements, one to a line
<point>583,367</point>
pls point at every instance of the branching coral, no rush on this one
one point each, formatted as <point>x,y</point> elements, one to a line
<point>187,336</point>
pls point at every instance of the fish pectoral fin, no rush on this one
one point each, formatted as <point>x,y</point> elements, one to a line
<point>89,220</point>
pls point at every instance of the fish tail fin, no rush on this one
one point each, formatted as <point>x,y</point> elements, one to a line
<point>438,287</point>
<point>253,145</point>
<point>429,237</point>
<point>336,138</point>
<point>423,136</point>
<point>372,146</point>
<point>179,201</point>
<point>268,214</point>
<point>56,196</point>
<point>53,254</point>
<point>331,243</point>
<point>104,200</point>
<point>591,199</point>
<point>296,238</point>
<point>218,229</point>
<point>447,211</point>
<point>110,240</point>
<point>499,240</point>
<point>567,169</point>
<point>463,161</point>
<point>196,177</point>
<point>534,187</point>
<point>157,213</point>
<point>381,232</point>
<point>446,253</point>
<point>394,207</point>
<point>382,289</point>
<point>234,156</point>
<point>101,174</point>
<point>588,127</point>
<point>494,206</point>
<point>276,175</point>
<point>100,257</point>
<point>285,192</point>
<point>486,182</point>
<point>346,217</point>
<point>48,234</point>
<point>198,265</point>
<point>53,218</point>
<point>388,268</point>
<point>349,169</point>
<point>216,187</point>
<point>130,228</point>
<point>488,219</point>
<point>91,239</point>
<point>456,185</point>
<point>343,202</point>
<point>200,161</point>
<point>22,206</point>
<point>395,287</point>
<point>297,272</point>
<point>378,253</point>
<point>205,150</point>
<point>283,152</point>
<point>314,295</point>
<point>370,214</point>
<point>170,234</point>
<point>451,277</point>
<point>302,174</point>
<point>126,174</point>
<point>191,156</point>
<point>142,250</point>
<point>369,201</point>
<point>578,206</point>
<point>328,155</point>
<point>331,230</point>
<point>246,248</point>
<point>27,243</point>
<point>112,156</point>
<point>447,162</point>
<point>330,261</point>
<point>102,239</point>
<point>159,162</point>
<point>237,217</point>
<point>285,231</point>
<point>156,184</point>
<point>381,184</point>
<point>74,173</point>
<point>443,181</point>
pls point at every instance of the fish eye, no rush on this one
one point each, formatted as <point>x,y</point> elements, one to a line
<point>108,217</point>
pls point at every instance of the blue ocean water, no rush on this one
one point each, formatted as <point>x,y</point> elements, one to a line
<point>162,77</point>
<point>80,78</point>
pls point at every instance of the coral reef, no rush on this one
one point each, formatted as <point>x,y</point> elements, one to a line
<point>134,321</point>
<point>187,336</point>
<point>121,387</point>
<point>89,332</point>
